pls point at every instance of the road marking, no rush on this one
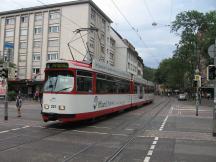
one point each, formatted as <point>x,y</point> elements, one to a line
<point>154,143</point>
<point>192,110</point>
<point>152,147</point>
<point>89,132</point>
<point>119,134</point>
<point>147,158</point>
<point>128,129</point>
<point>99,127</point>
<point>14,129</point>
<point>150,152</point>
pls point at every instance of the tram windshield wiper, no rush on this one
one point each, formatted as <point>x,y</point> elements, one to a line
<point>64,89</point>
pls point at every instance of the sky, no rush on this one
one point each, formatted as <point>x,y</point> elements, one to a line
<point>133,19</point>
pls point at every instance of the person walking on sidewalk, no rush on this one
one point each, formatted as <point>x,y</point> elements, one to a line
<point>18,105</point>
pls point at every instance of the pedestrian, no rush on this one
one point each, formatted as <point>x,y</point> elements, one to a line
<point>18,105</point>
<point>36,95</point>
<point>41,97</point>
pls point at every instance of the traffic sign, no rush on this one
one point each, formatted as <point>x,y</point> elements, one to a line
<point>212,51</point>
<point>197,77</point>
<point>9,45</point>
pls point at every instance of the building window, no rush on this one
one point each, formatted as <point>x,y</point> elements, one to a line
<point>22,72</point>
<point>24,19</point>
<point>112,43</point>
<point>9,33</point>
<point>10,21</point>
<point>103,37</point>
<point>22,58</point>
<point>35,70</point>
<point>91,43</point>
<point>23,45</point>
<point>36,56</point>
<point>37,43</point>
<point>38,17</point>
<point>111,56</point>
<point>54,29</point>
<point>102,50</point>
<point>23,32</point>
<point>54,15</point>
<point>53,43</point>
<point>103,23</point>
<point>52,56</point>
<point>37,30</point>
<point>93,15</point>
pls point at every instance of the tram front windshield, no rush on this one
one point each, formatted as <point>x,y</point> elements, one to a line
<point>59,81</point>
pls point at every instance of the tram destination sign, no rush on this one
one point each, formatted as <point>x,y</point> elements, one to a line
<point>57,65</point>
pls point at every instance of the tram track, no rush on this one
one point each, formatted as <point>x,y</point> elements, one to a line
<point>131,137</point>
<point>61,131</point>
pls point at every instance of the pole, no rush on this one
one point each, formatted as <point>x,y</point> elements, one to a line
<point>214,109</point>
<point>6,94</point>
<point>6,102</point>
<point>197,100</point>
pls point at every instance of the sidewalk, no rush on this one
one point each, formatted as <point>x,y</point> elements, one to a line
<point>188,136</point>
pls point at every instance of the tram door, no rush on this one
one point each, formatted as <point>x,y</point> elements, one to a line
<point>140,91</point>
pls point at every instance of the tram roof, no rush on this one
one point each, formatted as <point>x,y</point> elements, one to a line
<point>93,67</point>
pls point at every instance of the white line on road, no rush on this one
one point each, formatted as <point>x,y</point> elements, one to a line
<point>192,110</point>
<point>14,129</point>
<point>89,132</point>
<point>99,127</point>
<point>154,143</point>
<point>147,158</point>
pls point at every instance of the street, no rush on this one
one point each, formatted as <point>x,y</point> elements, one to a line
<point>165,131</point>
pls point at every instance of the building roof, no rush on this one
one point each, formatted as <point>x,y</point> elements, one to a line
<point>5,13</point>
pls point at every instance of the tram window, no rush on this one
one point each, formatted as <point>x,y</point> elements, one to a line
<point>135,88</point>
<point>84,73</point>
<point>84,81</point>
<point>109,84</point>
<point>146,89</point>
<point>101,86</point>
<point>124,86</point>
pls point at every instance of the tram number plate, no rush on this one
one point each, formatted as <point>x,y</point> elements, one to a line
<point>53,106</point>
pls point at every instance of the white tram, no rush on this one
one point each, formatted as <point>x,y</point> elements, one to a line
<point>76,90</point>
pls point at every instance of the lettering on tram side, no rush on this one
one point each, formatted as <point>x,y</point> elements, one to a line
<point>101,103</point>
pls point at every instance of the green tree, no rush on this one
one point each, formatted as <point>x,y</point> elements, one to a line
<point>197,33</point>
<point>149,73</point>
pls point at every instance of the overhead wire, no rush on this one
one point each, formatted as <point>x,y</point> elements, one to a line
<point>148,10</point>
<point>171,10</point>
<point>73,22</point>
<point>133,28</point>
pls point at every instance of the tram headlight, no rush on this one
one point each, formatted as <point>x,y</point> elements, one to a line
<point>61,107</point>
<point>46,106</point>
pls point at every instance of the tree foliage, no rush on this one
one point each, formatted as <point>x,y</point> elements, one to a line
<point>197,32</point>
<point>149,73</point>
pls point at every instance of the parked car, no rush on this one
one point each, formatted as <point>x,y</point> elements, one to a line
<point>182,96</point>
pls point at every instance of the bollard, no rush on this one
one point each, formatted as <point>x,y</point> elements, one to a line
<point>197,102</point>
<point>6,111</point>
<point>214,118</point>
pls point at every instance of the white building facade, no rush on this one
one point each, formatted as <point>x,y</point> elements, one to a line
<point>126,57</point>
<point>42,33</point>
<point>49,32</point>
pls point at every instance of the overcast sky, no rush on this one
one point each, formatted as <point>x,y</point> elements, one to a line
<point>156,42</point>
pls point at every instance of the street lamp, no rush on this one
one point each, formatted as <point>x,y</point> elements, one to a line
<point>161,25</point>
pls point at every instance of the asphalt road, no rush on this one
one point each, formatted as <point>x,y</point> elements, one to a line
<point>164,131</point>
